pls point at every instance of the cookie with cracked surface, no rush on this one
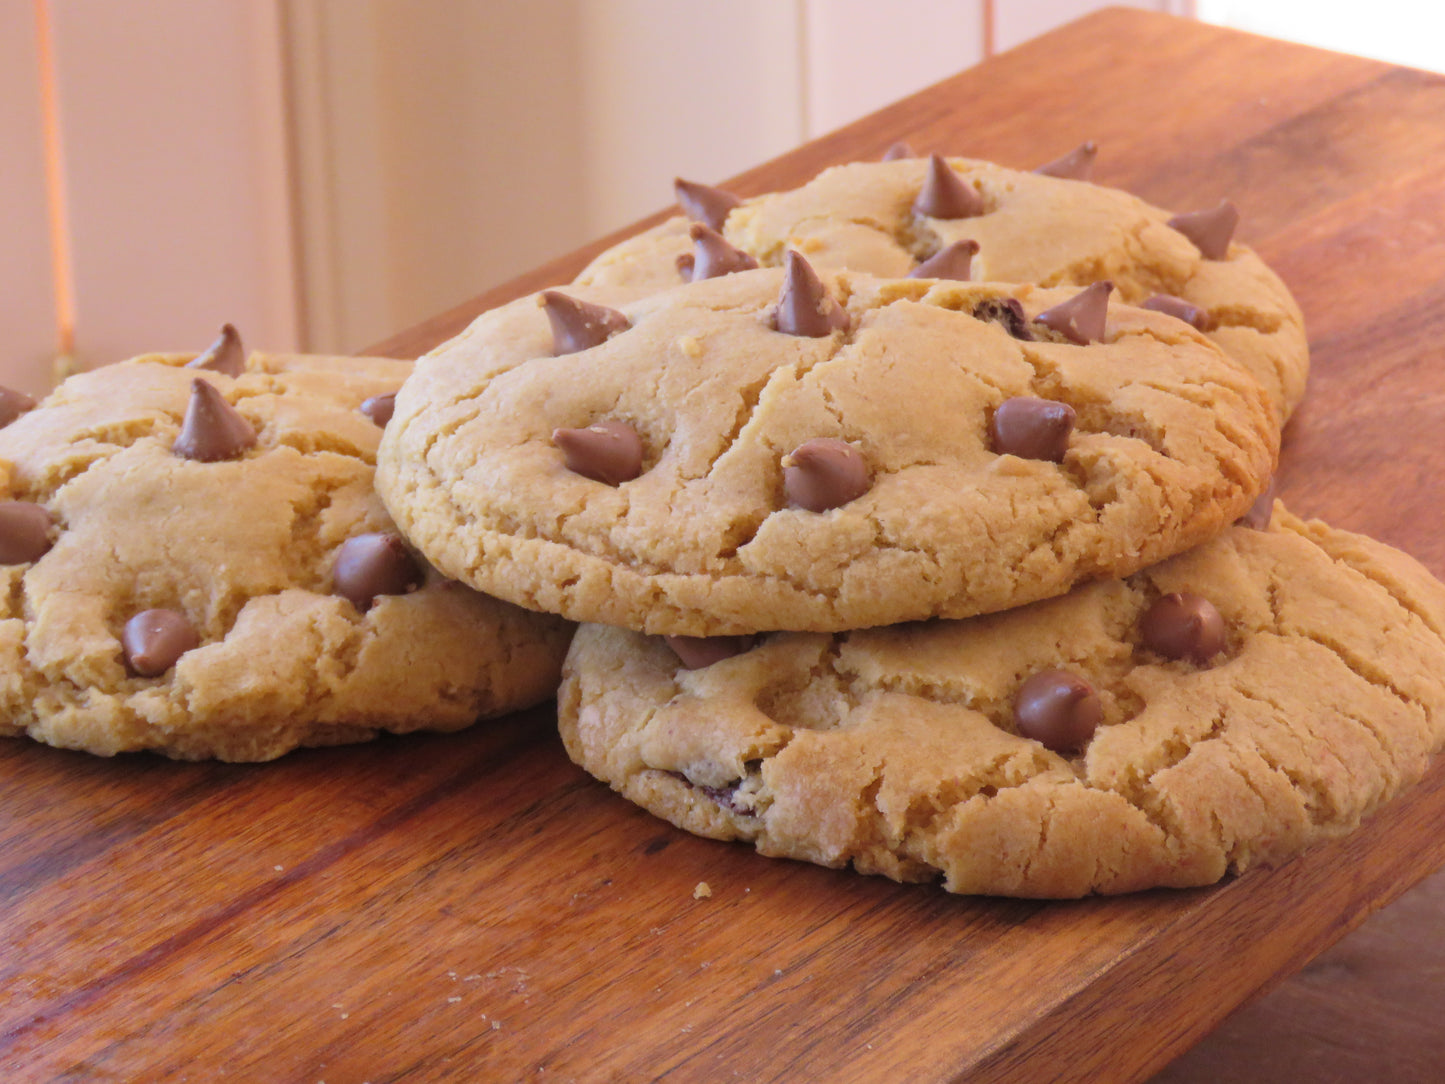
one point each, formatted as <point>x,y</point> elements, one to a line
<point>742,454</point>
<point>196,563</point>
<point>1301,686</point>
<point>1031,227</point>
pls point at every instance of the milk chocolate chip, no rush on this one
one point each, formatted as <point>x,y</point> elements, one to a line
<point>24,532</point>
<point>225,355</point>
<point>805,307</point>
<point>380,408</point>
<point>824,473</point>
<point>1077,165</point>
<point>1210,230</point>
<point>1081,319</point>
<point>374,564</point>
<point>609,451</point>
<point>696,652</point>
<point>898,150</point>
<point>945,194</point>
<point>1032,428</point>
<point>1183,626</point>
<point>1007,313</point>
<point>13,404</point>
<point>1261,511</point>
<point>1180,309</point>
<point>1058,709</point>
<point>153,640</point>
<point>713,256</point>
<point>580,325</point>
<point>212,429</point>
<point>954,262</point>
<point>705,204</point>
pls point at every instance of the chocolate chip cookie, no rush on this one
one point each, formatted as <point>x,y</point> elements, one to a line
<point>195,562</point>
<point>1224,709</point>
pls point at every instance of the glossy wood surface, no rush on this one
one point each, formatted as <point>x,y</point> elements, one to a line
<point>474,907</point>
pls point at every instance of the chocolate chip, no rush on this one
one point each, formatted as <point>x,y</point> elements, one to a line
<point>1183,626</point>
<point>212,429</point>
<point>1210,230</point>
<point>1008,313</point>
<point>580,325</point>
<point>1081,319</point>
<point>380,408</point>
<point>1032,428</point>
<point>953,262</point>
<point>696,652</point>
<point>824,473</point>
<point>898,150</point>
<point>225,355</point>
<point>705,204</point>
<point>1177,307</point>
<point>24,532</point>
<point>713,257</point>
<point>609,451</point>
<point>685,260</point>
<point>805,307</point>
<point>1077,165</point>
<point>374,564</point>
<point>1058,709</point>
<point>13,404</point>
<point>153,640</point>
<point>945,194</point>
<point>1261,511</point>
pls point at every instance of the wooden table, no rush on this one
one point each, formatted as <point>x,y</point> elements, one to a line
<point>475,908</point>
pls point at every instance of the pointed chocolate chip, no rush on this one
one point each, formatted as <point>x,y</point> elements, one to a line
<point>696,652</point>
<point>1081,319</point>
<point>1261,511</point>
<point>713,257</point>
<point>1008,313</point>
<point>225,355</point>
<point>1177,307</point>
<point>1182,625</point>
<point>380,408</point>
<point>953,262</point>
<point>13,404</point>
<point>805,307</point>
<point>1077,165</point>
<point>898,150</point>
<point>374,564</point>
<point>824,473</point>
<point>154,639</point>
<point>1210,230</point>
<point>705,204</point>
<point>1032,428</point>
<point>1058,709</point>
<point>580,325</point>
<point>213,429</point>
<point>945,194</point>
<point>609,451</point>
<point>25,532</point>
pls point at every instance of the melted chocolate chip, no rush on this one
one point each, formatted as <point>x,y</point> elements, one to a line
<point>13,404</point>
<point>713,257</point>
<point>609,451</point>
<point>696,652</point>
<point>1008,313</point>
<point>824,473</point>
<point>1177,307</point>
<point>580,325</point>
<point>1058,709</point>
<point>374,564</point>
<point>380,408</point>
<point>1211,230</point>
<point>1032,428</point>
<point>954,262</point>
<point>212,429</point>
<point>1077,165</point>
<point>705,204</point>
<point>898,150</point>
<point>945,194</point>
<point>805,307</point>
<point>1183,626</point>
<point>153,640</point>
<point>1261,511</point>
<point>25,530</point>
<point>225,355</point>
<point>1082,318</point>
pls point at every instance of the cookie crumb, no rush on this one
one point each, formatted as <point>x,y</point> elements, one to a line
<point>496,1025</point>
<point>702,891</point>
<point>689,346</point>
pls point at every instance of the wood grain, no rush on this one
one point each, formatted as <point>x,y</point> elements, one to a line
<point>473,907</point>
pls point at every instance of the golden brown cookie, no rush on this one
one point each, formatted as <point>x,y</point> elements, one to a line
<point>1224,709</point>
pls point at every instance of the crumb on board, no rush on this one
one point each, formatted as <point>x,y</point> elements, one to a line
<point>702,891</point>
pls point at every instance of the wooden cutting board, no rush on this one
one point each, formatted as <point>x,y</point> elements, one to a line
<point>475,908</point>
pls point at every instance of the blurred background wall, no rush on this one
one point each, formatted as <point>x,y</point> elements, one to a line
<point>325,172</point>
